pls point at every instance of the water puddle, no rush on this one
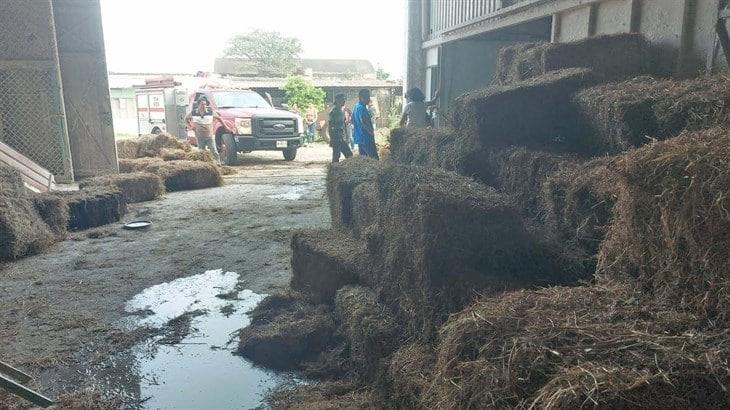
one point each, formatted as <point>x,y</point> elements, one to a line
<point>293,193</point>
<point>190,365</point>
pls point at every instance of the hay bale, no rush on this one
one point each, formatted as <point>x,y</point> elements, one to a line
<point>136,187</point>
<point>342,178</point>
<point>505,351</point>
<point>190,155</point>
<point>54,212</point>
<point>443,238</point>
<point>440,148</point>
<point>364,208</point>
<point>94,206</point>
<point>537,113</point>
<point>672,229</point>
<point>323,261</point>
<point>286,331</point>
<point>370,329</point>
<point>186,175</point>
<point>521,173</point>
<point>22,230</point>
<point>633,113</point>
<point>409,374</point>
<point>577,205</point>
<point>127,148</point>
<point>613,57</point>
<point>323,396</point>
<point>137,165</point>
<point>153,145</point>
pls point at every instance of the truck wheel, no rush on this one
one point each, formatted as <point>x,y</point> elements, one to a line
<point>290,154</point>
<point>156,131</point>
<point>229,153</point>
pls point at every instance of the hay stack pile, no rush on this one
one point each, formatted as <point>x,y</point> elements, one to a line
<point>23,231</point>
<point>136,187</point>
<point>456,264</point>
<point>149,146</point>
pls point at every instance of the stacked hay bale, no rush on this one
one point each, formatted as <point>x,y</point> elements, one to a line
<point>54,211</point>
<point>180,154</point>
<point>94,206</point>
<point>149,146</point>
<point>177,175</point>
<point>135,187</point>
<point>22,230</point>
<point>342,179</point>
<point>524,61</point>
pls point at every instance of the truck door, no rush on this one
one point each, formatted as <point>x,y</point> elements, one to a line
<point>143,114</point>
<point>157,112</point>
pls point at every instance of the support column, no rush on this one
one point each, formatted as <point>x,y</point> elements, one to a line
<point>85,86</point>
<point>415,67</point>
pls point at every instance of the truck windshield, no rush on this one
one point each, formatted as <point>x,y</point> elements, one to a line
<point>239,99</point>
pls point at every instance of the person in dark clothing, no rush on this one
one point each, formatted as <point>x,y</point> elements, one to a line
<point>363,132</point>
<point>338,137</point>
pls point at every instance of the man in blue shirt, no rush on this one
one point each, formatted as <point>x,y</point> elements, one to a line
<point>363,132</point>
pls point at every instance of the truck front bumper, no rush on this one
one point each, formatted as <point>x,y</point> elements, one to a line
<point>249,143</point>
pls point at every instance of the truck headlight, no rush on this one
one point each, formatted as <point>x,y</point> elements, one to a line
<point>300,124</point>
<point>243,126</point>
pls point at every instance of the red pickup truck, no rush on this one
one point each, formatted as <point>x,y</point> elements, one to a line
<point>256,125</point>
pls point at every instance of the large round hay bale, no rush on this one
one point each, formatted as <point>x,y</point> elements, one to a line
<point>136,186</point>
<point>22,230</point>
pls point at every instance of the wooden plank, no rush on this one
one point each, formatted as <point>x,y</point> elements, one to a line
<point>35,176</point>
<point>14,373</point>
<point>724,38</point>
<point>24,392</point>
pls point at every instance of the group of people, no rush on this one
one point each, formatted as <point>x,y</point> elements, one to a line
<point>415,114</point>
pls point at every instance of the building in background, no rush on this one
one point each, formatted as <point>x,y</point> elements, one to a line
<point>454,43</point>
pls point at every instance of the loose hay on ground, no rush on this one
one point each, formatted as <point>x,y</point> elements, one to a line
<point>22,230</point>
<point>190,155</point>
<point>613,57</point>
<point>672,230</point>
<point>519,348</point>
<point>286,331</point>
<point>370,329</point>
<point>537,113</point>
<point>323,396</point>
<point>94,206</point>
<point>342,178</point>
<point>633,113</point>
<point>323,261</point>
<point>54,211</point>
<point>136,187</point>
<point>409,374</point>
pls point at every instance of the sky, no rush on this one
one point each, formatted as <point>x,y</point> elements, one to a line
<point>162,36</point>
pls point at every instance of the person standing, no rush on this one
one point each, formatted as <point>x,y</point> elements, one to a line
<point>415,112</point>
<point>363,132</point>
<point>337,127</point>
<point>201,120</point>
<point>311,118</point>
<point>348,127</point>
<point>374,115</point>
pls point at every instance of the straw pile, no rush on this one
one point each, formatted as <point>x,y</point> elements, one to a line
<point>286,331</point>
<point>537,113</point>
<point>323,261</point>
<point>137,165</point>
<point>94,206</point>
<point>22,230</point>
<point>442,239</point>
<point>189,155</point>
<point>136,186</point>
<point>370,329</point>
<point>410,373</point>
<point>342,178</point>
<point>186,175</point>
<point>612,57</point>
<point>632,113</point>
<point>149,146</point>
<point>525,348</point>
<point>323,396</point>
<point>672,230</point>
<point>54,212</point>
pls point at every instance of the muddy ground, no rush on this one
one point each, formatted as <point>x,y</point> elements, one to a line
<point>61,310</point>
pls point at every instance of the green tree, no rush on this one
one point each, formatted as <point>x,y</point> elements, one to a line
<point>272,52</point>
<point>381,74</point>
<point>301,94</point>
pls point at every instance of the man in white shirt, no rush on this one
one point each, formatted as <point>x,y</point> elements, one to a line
<point>201,120</point>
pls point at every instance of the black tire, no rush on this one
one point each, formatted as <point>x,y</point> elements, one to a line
<point>290,154</point>
<point>229,152</point>
<point>156,131</point>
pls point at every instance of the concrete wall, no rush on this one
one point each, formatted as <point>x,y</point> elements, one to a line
<point>32,114</point>
<point>86,87</point>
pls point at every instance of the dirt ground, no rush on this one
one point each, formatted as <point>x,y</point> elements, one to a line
<point>61,309</point>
